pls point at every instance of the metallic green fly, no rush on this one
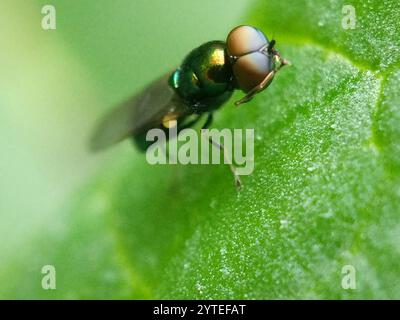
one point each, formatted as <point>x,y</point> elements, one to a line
<point>205,81</point>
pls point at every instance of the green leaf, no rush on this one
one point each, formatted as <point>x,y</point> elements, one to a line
<point>324,192</point>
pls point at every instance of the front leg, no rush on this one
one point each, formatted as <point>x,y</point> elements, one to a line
<point>227,158</point>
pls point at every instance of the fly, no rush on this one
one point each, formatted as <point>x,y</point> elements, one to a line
<point>203,83</point>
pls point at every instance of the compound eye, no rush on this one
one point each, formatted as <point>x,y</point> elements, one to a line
<point>251,69</point>
<point>244,39</point>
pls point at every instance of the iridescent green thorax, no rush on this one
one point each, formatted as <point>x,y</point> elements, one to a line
<point>204,79</point>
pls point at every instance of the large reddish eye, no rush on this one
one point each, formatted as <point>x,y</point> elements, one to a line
<point>251,69</point>
<point>244,39</point>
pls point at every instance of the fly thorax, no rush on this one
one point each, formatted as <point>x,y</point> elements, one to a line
<point>204,78</point>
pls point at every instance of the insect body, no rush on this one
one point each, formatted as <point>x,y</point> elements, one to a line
<point>205,81</point>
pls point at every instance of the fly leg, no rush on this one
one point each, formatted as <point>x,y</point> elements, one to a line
<point>227,158</point>
<point>189,123</point>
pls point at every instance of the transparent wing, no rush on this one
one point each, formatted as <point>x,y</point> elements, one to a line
<point>138,114</point>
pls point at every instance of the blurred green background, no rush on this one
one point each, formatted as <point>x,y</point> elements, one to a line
<point>56,83</point>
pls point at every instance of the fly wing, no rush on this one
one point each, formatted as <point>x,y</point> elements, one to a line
<point>138,114</point>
